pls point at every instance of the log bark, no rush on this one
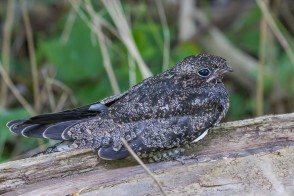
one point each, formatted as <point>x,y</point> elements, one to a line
<point>253,156</point>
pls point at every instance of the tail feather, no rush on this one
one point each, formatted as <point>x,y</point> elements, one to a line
<point>51,131</point>
<point>57,131</point>
<point>30,130</point>
<point>14,122</point>
<point>15,126</point>
<point>54,125</point>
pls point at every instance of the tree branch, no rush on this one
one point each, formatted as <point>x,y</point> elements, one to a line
<point>253,154</point>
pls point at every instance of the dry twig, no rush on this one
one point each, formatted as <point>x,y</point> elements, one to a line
<point>143,165</point>
<point>6,48</point>
<point>114,8</point>
<point>166,35</point>
<point>14,90</point>
<point>96,26</point>
<point>69,23</point>
<point>32,54</point>
<point>262,54</point>
<point>276,31</point>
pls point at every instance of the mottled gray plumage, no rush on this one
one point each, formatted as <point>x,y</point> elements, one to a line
<point>162,112</point>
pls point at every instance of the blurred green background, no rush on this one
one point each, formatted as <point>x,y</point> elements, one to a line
<point>59,54</point>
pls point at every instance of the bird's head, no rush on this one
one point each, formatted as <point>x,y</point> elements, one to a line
<point>203,68</point>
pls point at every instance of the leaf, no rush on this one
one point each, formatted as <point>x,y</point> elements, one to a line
<point>185,49</point>
<point>236,111</point>
<point>149,40</point>
<point>76,60</point>
<point>245,31</point>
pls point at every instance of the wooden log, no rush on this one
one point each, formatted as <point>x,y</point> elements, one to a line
<point>253,155</point>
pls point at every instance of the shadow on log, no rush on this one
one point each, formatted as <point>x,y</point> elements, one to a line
<point>255,156</point>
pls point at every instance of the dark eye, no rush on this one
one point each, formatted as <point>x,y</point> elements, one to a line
<point>204,72</point>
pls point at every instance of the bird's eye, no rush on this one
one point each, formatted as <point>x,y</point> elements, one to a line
<point>204,72</point>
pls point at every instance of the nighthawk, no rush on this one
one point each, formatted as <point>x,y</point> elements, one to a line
<point>162,113</point>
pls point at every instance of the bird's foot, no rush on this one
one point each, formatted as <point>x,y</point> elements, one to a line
<point>166,155</point>
<point>182,159</point>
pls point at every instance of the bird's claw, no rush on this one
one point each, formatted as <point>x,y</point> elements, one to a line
<point>182,159</point>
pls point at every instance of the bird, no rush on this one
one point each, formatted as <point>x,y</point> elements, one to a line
<point>160,114</point>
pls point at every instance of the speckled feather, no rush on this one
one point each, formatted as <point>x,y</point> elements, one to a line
<point>162,112</point>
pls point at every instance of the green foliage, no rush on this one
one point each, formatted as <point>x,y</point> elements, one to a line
<point>150,43</point>
<point>245,31</point>
<point>6,116</point>
<point>184,50</point>
<point>77,62</point>
<point>5,136</point>
<point>283,74</point>
<point>240,106</point>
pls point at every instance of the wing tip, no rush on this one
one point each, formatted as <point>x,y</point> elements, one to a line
<point>48,131</point>
<point>100,154</point>
<point>12,125</point>
<point>14,122</point>
<point>107,153</point>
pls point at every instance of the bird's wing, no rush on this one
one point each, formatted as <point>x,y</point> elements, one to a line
<point>159,97</point>
<point>50,131</point>
<point>160,100</point>
<point>143,136</point>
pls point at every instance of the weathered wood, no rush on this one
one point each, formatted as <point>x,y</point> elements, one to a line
<point>226,161</point>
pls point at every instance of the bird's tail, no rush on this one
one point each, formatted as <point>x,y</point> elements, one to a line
<point>54,131</point>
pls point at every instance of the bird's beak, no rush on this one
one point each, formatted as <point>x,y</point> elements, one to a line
<point>220,72</point>
<point>229,68</point>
